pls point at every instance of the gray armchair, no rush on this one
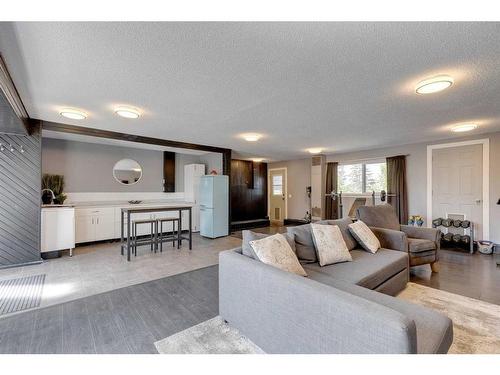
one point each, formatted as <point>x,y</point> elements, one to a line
<point>422,244</point>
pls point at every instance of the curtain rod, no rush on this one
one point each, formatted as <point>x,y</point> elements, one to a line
<point>365,159</point>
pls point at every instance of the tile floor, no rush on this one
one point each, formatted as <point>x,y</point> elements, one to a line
<point>100,268</point>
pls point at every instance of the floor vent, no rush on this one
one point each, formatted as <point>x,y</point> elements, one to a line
<point>21,294</point>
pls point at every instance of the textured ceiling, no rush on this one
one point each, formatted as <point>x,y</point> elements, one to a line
<point>340,86</point>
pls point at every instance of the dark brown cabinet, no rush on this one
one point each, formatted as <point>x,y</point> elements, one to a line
<point>248,191</point>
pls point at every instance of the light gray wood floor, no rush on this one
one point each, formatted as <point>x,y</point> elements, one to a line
<point>126,320</point>
<point>99,268</point>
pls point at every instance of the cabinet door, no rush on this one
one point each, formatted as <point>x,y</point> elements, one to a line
<point>104,227</point>
<point>85,229</point>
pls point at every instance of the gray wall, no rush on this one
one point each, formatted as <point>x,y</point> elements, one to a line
<point>19,200</point>
<point>88,167</point>
<point>299,177</point>
<point>212,161</point>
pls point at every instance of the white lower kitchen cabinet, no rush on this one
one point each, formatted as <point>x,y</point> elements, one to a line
<point>95,225</point>
<point>57,229</point>
<point>103,223</point>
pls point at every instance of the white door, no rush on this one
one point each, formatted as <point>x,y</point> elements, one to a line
<point>277,196</point>
<point>457,188</point>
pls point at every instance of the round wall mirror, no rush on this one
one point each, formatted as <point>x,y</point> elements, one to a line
<point>127,172</point>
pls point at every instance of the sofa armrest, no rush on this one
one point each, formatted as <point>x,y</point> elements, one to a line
<point>282,312</point>
<point>423,233</point>
<point>391,239</point>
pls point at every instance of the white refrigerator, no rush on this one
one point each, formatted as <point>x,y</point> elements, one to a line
<point>214,206</point>
<point>192,174</point>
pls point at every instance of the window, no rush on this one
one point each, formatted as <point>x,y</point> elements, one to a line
<point>362,178</point>
<point>278,185</point>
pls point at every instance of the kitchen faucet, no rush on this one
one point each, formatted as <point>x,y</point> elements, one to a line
<point>51,192</point>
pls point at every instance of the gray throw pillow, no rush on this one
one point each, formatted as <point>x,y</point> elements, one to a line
<point>343,225</point>
<point>248,236</point>
<point>304,243</point>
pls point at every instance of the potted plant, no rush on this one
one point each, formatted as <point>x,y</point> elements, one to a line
<point>55,183</point>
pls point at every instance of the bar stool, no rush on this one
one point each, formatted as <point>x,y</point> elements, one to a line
<point>153,234</point>
<point>169,237</point>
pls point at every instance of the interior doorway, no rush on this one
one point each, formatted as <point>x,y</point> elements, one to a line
<point>457,183</point>
<point>277,195</point>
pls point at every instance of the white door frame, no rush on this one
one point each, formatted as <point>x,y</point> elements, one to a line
<point>269,191</point>
<point>486,179</point>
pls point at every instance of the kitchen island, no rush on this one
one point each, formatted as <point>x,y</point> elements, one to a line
<point>127,213</point>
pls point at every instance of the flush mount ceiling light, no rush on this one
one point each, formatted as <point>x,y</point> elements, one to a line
<point>127,112</point>
<point>434,84</point>
<point>463,128</point>
<point>251,137</point>
<point>73,114</point>
<point>314,150</point>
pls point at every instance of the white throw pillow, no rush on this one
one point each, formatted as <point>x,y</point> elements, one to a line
<point>330,245</point>
<point>275,251</point>
<point>365,236</point>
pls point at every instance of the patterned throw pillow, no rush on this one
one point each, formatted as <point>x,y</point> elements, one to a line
<point>330,245</point>
<point>365,236</point>
<point>275,251</point>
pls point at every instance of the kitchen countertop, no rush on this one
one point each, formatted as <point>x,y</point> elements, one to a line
<point>125,204</point>
<point>57,206</point>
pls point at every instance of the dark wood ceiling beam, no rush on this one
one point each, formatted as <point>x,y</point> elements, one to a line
<point>82,130</point>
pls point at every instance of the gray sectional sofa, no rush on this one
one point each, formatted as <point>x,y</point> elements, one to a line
<point>341,308</point>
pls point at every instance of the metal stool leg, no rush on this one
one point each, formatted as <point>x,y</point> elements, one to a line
<point>173,233</point>
<point>134,239</point>
<point>179,231</point>
<point>151,238</point>
<point>157,237</point>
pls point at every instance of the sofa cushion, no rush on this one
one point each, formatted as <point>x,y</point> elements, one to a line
<point>381,216</point>
<point>365,236</point>
<point>343,225</point>
<point>248,235</point>
<point>275,251</point>
<point>330,245</point>
<point>434,330</point>
<point>418,245</point>
<point>367,269</point>
<point>304,244</point>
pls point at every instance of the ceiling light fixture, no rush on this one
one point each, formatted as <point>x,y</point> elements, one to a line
<point>434,84</point>
<point>314,150</point>
<point>257,160</point>
<point>73,114</point>
<point>127,112</point>
<point>251,137</point>
<point>463,128</point>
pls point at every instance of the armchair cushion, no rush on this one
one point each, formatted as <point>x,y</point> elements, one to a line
<point>431,234</point>
<point>391,239</point>
<point>418,245</point>
<point>381,216</point>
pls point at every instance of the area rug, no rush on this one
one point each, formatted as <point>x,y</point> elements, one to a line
<point>476,324</point>
<point>210,337</point>
<point>476,327</point>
